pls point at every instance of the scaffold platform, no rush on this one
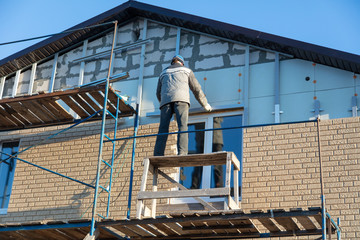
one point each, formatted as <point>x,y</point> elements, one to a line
<point>231,224</point>
<point>44,109</point>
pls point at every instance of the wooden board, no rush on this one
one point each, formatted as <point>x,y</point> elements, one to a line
<point>267,222</point>
<point>90,101</point>
<point>40,111</point>
<point>43,109</point>
<point>83,104</point>
<point>218,158</point>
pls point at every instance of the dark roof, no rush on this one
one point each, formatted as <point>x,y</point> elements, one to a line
<point>132,9</point>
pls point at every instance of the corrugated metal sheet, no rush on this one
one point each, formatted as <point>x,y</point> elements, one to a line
<point>132,9</point>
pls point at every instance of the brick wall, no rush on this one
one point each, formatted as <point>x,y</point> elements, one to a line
<point>38,195</point>
<point>281,169</point>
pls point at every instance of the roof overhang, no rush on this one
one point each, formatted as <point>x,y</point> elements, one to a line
<point>132,10</point>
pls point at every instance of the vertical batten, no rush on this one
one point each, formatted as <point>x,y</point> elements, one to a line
<point>277,89</point>
<point>32,78</point>
<point>141,70</point>
<point>52,80</point>
<point>2,83</point>
<point>354,107</point>
<point>16,83</point>
<point>82,65</point>
<point>246,85</point>
<point>178,35</point>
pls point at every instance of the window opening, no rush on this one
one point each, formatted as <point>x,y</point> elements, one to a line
<point>190,177</point>
<point>212,141</point>
<point>7,172</point>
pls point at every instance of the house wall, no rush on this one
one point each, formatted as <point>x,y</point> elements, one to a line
<point>281,169</point>
<point>38,195</point>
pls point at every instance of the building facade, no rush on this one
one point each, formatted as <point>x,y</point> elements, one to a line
<point>250,83</point>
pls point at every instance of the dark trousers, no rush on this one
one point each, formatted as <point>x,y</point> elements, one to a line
<point>181,110</point>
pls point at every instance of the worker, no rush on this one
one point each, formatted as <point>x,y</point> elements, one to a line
<point>174,97</point>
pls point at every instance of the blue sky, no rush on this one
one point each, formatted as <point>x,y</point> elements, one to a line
<point>329,23</point>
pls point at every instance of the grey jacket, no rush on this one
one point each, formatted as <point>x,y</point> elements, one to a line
<point>174,83</point>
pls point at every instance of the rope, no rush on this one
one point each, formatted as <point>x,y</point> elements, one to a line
<point>54,34</point>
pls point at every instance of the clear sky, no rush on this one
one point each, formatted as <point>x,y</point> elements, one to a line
<point>329,23</point>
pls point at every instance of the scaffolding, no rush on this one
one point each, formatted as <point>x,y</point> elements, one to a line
<point>94,102</point>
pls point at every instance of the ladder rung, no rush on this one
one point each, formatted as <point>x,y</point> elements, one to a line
<point>106,163</point>
<point>110,114</point>
<point>108,138</point>
<point>104,188</point>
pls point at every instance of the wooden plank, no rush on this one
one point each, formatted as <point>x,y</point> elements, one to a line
<point>219,227</point>
<point>154,189</point>
<point>266,222</point>
<point>152,230</point>
<point>123,107</point>
<point>318,215</point>
<point>12,235</point>
<point>183,207</point>
<point>55,108</point>
<point>13,120</point>
<point>318,218</point>
<point>53,94</point>
<point>287,223</point>
<point>90,101</point>
<point>24,112</point>
<point>205,204</point>
<point>199,225</point>
<point>140,203</point>
<point>15,114</point>
<point>216,225</point>
<point>304,220</point>
<point>110,233</point>
<point>100,99</point>
<point>128,232</point>
<point>218,158</point>
<point>5,122</point>
<point>74,233</point>
<point>140,230</point>
<point>177,227</point>
<point>236,186</point>
<point>232,204</point>
<point>83,104</point>
<point>74,106</point>
<point>227,180</point>
<point>34,234</point>
<point>53,234</point>
<point>235,161</point>
<point>216,192</point>
<point>167,230</point>
<point>251,228</point>
<point>39,111</point>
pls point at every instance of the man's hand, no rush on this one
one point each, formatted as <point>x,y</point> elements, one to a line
<point>208,108</point>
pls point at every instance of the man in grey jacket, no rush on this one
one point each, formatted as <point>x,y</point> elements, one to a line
<point>174,97</point>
